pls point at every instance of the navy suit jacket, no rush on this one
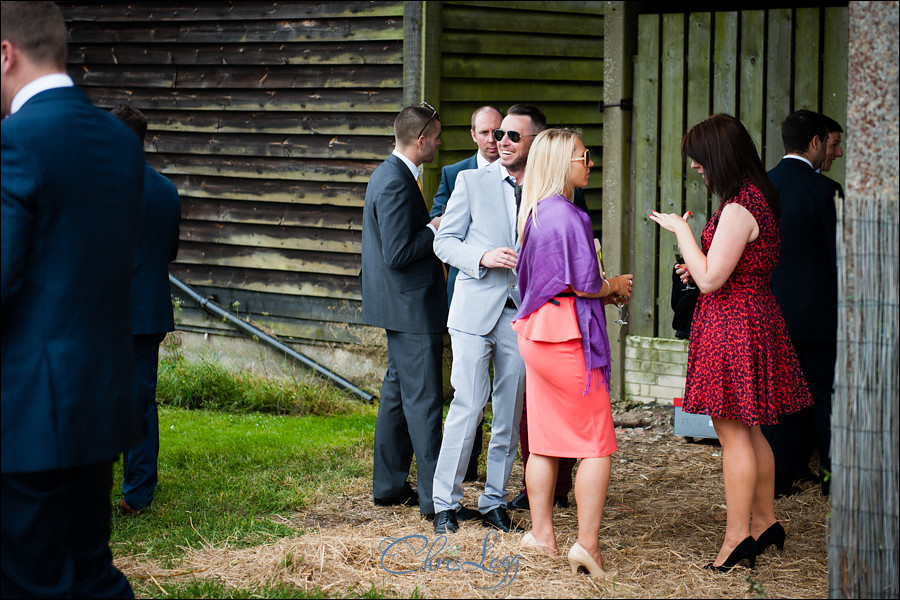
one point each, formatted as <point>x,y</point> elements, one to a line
<point>402,280</point>
<point>448,181</point>
<point>151,303</point>
<point>805,280</point>
<point>72,182</point>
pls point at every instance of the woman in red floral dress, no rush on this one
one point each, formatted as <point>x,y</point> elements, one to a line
<point>742,370</point>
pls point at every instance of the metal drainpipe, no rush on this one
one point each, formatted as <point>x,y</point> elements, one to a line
<point>218,311</point>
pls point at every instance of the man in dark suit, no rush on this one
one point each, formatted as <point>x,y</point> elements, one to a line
<point>485,120</point>
<point>805,286</point>
<point>72,179</point>
<point>151,316</point>
<point>403,292</point>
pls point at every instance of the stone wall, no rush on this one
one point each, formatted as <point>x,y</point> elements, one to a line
<point>655,369</point>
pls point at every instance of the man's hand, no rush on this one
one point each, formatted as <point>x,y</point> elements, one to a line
<point>436,223</point>
<point>505,258</point>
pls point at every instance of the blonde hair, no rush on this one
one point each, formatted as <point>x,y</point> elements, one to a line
<point>547,172</point>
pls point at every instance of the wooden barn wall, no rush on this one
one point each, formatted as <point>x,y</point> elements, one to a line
<point>545,53</point>
<point>758,65</point>
<point>269,117</point>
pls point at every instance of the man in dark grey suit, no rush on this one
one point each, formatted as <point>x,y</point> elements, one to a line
<point>403,291</point>
<point>805,286</point>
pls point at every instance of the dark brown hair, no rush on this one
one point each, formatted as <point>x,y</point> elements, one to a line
<point>132,117</point>
<point>722,146</point>
<point>37,29</point>
<point>409,123</point>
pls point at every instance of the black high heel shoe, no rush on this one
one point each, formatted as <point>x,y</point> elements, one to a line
<point>746,549</point>
<point>773,535</point>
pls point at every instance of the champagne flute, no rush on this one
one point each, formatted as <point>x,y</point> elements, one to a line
<point>680,259</point>
<point>622,304</point>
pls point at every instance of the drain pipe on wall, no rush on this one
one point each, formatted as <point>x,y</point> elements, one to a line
<point>246,327</point>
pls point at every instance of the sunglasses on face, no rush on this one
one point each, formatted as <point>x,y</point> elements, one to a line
<point>586,158</point>
<point>514,136</point>
<point>434,114</point>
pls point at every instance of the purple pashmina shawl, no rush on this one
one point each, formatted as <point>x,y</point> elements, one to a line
<point>555,254</point>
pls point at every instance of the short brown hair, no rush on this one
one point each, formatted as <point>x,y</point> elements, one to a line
<point>132,117</point>
<point>410,122</point>
<point>37,29</point>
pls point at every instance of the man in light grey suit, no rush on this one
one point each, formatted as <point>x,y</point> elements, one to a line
<point>478,236</point>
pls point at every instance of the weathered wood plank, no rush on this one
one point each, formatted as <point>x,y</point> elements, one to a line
<point>285,305</point>
<point>671,165</point>
<point>523,67</point>
<point>519,44</point>
<point>806,59</point>
<point>225,11</point>
<point>348,171</point>
<point>834,79</point>
<point>500,19</point>
<point>330,193</point>
<point>224,254</point>
<point>277,146</point>
<point>592,8</point>
<point>698,108</point>
<point>641,319</point>
<point>778,83</point>
<point>240,32</point>
<point>514,91</point>
<point>578,114</point>
<point>325,53</point>
<point>271,213</point>
<point>285,238</point>
<point>321,100</point>
<point>725,64</point>
<point>752,90</point>
<point>261,280</point>
<point>279,123</point>
<point>274,77</point>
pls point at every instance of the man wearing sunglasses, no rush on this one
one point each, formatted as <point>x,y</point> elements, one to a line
<point>478,236</point>
<point>403,292</point>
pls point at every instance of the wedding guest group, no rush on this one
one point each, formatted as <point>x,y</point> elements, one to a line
<point>742,370</point>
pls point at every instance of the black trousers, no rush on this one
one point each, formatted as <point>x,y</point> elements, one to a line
<point>796,436</point>
<point>56,527</point>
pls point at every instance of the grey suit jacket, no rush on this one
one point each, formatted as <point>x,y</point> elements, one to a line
<point>402,281</point>
<point>475,222</point>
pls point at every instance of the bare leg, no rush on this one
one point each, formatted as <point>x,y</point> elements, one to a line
<point>764,495</point>
<point>540,479</point>
<point>740,473</point>
<point>591,485</point>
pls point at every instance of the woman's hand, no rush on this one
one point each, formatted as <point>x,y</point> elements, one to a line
<point>683,274</point>
<point>621,285</point>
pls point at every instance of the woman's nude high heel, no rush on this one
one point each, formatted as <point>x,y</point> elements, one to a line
<point>579,558</point>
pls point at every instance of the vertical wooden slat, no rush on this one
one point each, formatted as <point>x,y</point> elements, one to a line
<point>696,198</point>
<point>725,67</point>
<point>646,98</point>
<point>431,87</point>
<point>751,103</point>
<point>806,59</point>
<point>671,121</point>
<point>834,78</point>
<point>778,83</point>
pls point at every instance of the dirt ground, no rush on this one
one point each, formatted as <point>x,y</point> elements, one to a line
<point>664,519</point>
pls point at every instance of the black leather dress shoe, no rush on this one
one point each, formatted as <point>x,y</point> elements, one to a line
<point>520,502</point>
<point>407,498</point>
<point>499,519</point>
<point>445,522</point>
<point>467,514</point>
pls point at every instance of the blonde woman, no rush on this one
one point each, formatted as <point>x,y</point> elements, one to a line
<point>562,338</point>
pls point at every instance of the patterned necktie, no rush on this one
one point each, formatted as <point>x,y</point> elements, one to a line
<point>518,192</point>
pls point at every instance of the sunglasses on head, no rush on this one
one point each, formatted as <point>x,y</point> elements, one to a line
<point>434,114</point>
<point>514,136</point>
<point>586,158</point>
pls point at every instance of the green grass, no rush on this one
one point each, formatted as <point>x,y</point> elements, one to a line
<point>223,476</point>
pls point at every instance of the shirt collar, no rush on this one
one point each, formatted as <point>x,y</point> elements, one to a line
<point>481,161</point>
<point>798,157</point>
<point>503,172</point>
<point>409,164</point>
<point>41,84</point>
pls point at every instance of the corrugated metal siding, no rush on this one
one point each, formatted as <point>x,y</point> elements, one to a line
<point>269,118</point>
<point>545,53</point>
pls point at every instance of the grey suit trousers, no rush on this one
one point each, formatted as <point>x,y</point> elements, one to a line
<point>471,381</point>
<point>409,415</point>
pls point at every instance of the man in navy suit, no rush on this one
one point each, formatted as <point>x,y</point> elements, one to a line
<point>403,292</point>
<point>805,286</point>
<point>485,120</point>
<point>71,186</point>
<point>151,316</point>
